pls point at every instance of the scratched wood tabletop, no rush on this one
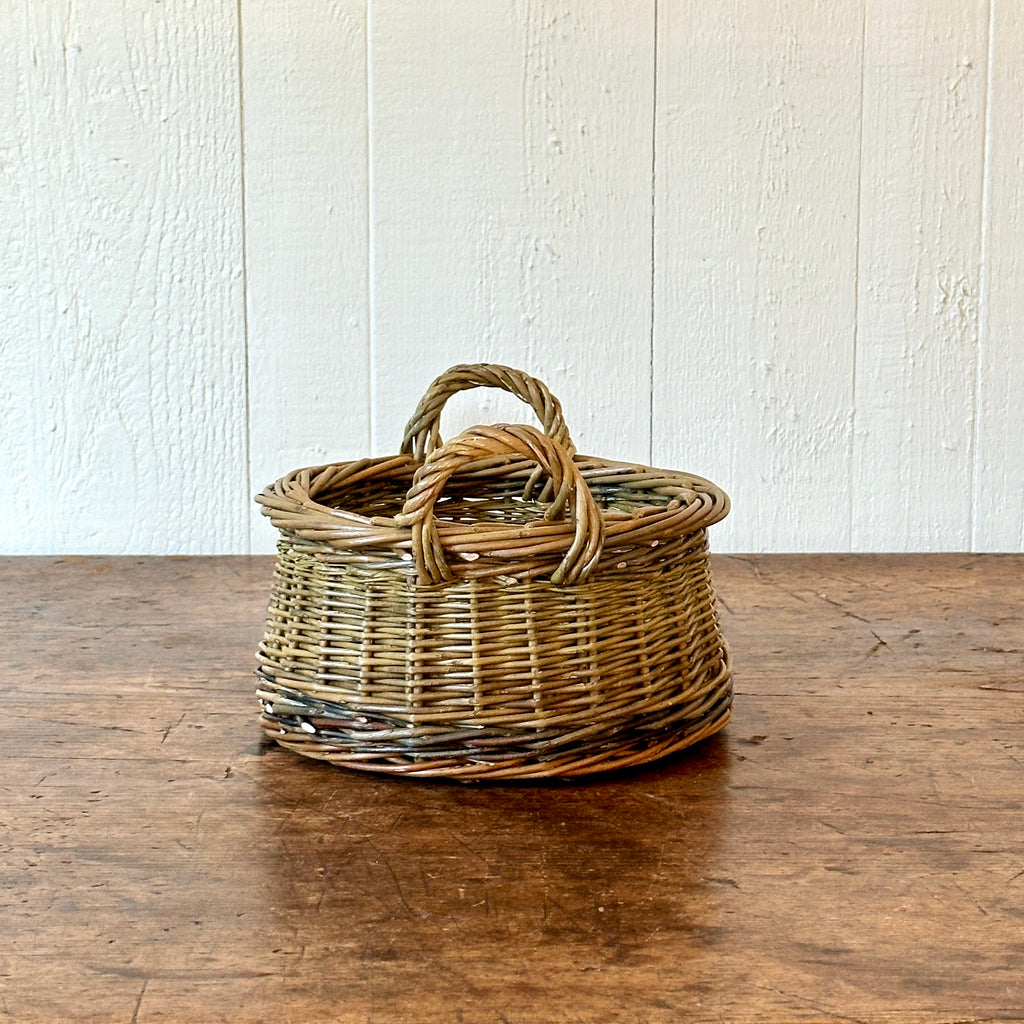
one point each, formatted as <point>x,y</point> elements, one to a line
<point>850,848</point>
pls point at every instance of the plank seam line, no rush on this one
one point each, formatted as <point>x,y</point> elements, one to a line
<point>984,220</point>
<point>654,204</point>
<point>243,214</point>
<point>371,241</point>
<point>851,463</point>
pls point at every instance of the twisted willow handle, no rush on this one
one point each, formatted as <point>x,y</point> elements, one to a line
<point>422,433</point>
<point>570,492</point>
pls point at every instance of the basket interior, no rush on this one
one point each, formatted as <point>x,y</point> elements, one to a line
<point>496,493</point>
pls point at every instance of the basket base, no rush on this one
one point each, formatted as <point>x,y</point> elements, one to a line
<point>524,756</point>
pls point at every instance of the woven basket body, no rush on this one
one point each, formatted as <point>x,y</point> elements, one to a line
<point>494,607</point>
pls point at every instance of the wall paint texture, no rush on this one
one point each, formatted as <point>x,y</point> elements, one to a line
<point>774,243</point>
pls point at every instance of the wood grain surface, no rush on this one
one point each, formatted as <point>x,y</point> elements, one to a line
<point>849,849</point>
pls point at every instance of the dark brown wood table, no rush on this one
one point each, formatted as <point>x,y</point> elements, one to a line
<point>850,848</point>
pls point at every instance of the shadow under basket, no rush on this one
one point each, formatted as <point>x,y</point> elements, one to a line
<point>493,607</point>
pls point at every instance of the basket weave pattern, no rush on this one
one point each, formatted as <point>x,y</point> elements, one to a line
<point>495,607</point>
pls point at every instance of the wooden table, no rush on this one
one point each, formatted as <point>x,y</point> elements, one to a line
<point>850,848</point>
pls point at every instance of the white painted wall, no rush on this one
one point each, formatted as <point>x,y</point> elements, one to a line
<point>774,243</point>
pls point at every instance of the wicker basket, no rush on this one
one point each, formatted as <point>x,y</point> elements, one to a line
<point>492,607</point>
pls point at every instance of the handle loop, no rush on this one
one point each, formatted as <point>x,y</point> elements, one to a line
<point>570,493</point>
<point>422,432</point>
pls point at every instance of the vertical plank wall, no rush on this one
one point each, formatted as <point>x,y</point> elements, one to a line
<point>758,144</point>
<point>511,207</point>
<point>775,243</point>
<point>305,123</point>
<point>998,479</point>
<point>922,171</point>
<point>18,313</point>
<point>122,350</point>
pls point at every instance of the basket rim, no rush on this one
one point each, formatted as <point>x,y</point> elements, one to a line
<point>290,505</point>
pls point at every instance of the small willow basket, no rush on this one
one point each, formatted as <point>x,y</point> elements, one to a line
<point>493,607</point>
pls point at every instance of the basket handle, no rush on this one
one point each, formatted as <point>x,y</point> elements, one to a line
<point>422,432</point>
<point>482,444</point>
